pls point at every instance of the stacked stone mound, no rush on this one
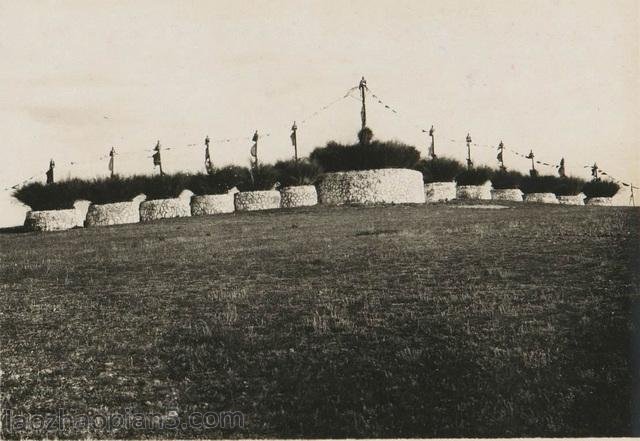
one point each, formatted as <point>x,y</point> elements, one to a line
<point>50,220</point>
<point>117,213</point>
<point>601,201</point>
<point>257,200</point>
<point>212,204</point>
<point>298,196</point>
<point>477,192</point>
<point>439,191</point>
<point>57,220</point>
<point>506,194</point>
<point>166,208</point>
<point>577,199</point>
<point>382,186</point>
<point>543,198</point>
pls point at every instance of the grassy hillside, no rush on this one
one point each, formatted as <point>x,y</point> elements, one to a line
<point>379,321</point>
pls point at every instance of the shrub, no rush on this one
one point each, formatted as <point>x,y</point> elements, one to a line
<point>301,172</point>
<point>365,136</point>
<point>474,176</point>
<point>569,186</point>
<point>335,157</point>
<point>439,170</point>
<point>502,179</point>
<point>539,184</point>
<point>59,195</point>
<point>600,189</point>
<point>262,177</point>
<point>220,180</point>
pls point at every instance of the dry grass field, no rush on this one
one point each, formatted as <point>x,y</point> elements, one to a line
<point>430,320</point>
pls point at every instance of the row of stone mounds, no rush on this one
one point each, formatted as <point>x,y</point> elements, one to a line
<point>84,213</point>
<point>447,191</point>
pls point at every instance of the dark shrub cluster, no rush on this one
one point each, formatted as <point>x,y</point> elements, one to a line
<point>336,157</point>
<point>569,186</point>
<point>600,189</point>
<point>503,179</point>
<point>219,180</point>
<point>474,176</point>
<point>539,184</point>
<point>301,172</point>
<point>440,169</point>
<point>262,177</point>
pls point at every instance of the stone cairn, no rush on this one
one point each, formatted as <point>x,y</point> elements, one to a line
<point>577,199</point>
<point>506,194</point>
<point>166,208</point>
<point>213,203</point>
<point>439,191</point>
<point>57,220</point>
<point>542,198</point>
<point>116,213</point>
<point>476,192</point>
<point>383,186</point>
<point>257,200</point>
<point>600,201</point>
<point>298,196</point>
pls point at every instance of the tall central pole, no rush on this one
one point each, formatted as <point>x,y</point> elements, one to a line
<point>294,140</point>
<point>363,112</point>
<point>432,148</point>
<point>469,163</point>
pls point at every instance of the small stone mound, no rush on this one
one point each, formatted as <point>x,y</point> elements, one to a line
<point>257,200</point>
<point>116,213</point>
<point>298,196</point>
<point>600,201</point>
<point>506,194</point>
<point>542,198</point>
<point>439,191</point>
<point>367,187</point>
<point>577,199</point>
<point>477,192</point>
<point>212,204</point>
<point>50,220</point>
<point>166,208</point>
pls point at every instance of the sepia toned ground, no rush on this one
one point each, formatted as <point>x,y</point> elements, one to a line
<point>427,320</point>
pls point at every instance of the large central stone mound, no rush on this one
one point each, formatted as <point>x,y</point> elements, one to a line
<point>383,186</point>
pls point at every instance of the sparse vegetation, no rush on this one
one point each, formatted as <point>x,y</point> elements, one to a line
<point>440,169</point>
<point>602,189</point>
<point>503,179</point>
<point>336,157</point>
<point>474,176</point>
<point>331,322</point>
<point>301,172</point>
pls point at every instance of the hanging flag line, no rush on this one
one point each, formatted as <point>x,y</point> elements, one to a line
<point>515,152</point>
<point>149,152</point>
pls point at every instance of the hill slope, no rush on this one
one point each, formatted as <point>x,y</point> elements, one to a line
<point>380,321</point>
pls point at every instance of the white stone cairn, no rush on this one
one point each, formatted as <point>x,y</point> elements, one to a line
<point>506,194</point>
<point>577,199</point>
<point>600,201</point>
<point>257,200</point>
<point>543,198</point>
<point>82,208</point>
<point>439,191</point>
<point>382,186</point>
<point>57,220</point>
<point>116,213</point>
<point>166,208</point>
<point>213,204</point>
<point>298,196</point>
<point>476,192</point>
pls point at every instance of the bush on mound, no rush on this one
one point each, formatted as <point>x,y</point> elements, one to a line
<point>261,177</point>
<point>474,176</point>
<point>506,180</point>
<point>301,172</point>
<point>569,186</point>
<point>59,195</point>
<point>440,169</point>
<point>220,180</point>
<point>336,157</point>
<point>539,184</point>
<point>600,189</point>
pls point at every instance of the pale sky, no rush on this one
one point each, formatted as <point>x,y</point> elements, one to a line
<point>78,77</point>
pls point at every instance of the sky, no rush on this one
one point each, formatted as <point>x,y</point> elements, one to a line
<point>79,77</point>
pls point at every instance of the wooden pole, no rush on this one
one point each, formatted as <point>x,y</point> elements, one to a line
<point>469,163</point>
<point>363,112</point>
<point>294,140</point>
